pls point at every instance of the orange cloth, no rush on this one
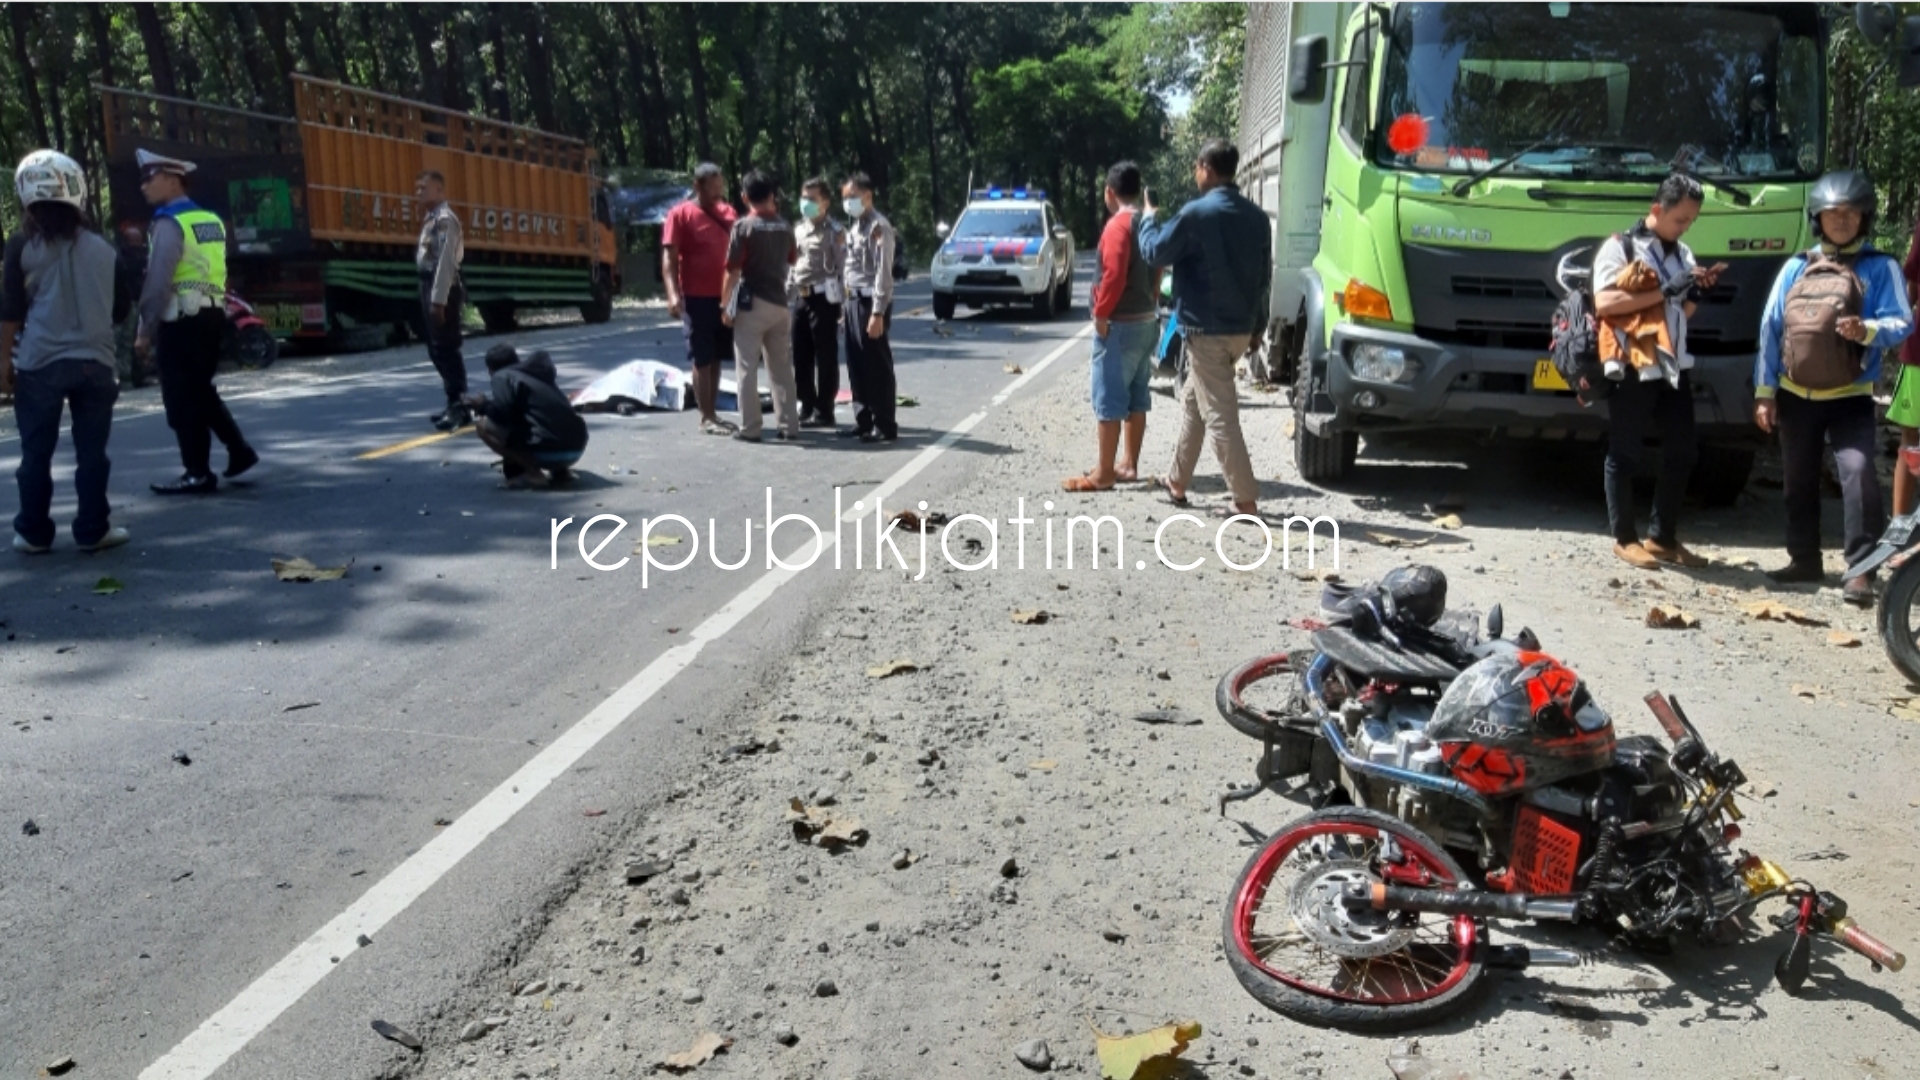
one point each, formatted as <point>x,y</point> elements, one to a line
<point>1640,340</point>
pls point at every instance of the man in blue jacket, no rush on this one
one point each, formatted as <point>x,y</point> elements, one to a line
<point>1220,247</point>
<point>1815,409</point>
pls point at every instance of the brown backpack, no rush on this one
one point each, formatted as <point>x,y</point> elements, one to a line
<point>1813,352</point>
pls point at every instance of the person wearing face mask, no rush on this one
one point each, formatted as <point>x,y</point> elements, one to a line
<point>869,282</point>
<point>1834,311</point>
<point>814,296</point>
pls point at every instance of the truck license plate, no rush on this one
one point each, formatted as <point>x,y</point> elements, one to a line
<point>1547,377</point>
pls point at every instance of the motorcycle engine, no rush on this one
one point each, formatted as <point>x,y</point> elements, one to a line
<point>1390,729</point>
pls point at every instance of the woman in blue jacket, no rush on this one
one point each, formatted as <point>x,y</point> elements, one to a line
<point>1842,206</point>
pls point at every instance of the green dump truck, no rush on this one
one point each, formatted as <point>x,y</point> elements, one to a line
<point>1429,166</point>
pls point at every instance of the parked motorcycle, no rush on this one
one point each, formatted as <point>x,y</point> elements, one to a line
<point>247,343</point>
<point>1459,778</point>
<point>1170,351</point>
<point>1899,630</point>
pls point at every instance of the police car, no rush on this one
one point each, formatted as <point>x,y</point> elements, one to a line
<point>1008,247</point>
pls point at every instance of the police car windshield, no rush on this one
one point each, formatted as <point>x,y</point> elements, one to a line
<point>999,223</point>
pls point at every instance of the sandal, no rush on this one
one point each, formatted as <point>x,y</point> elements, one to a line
<point>1178,500</point>
<point>1082,484</point>
<point>714,427</point>
<point>1224,512</point>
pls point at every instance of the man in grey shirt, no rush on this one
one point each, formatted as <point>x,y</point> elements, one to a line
<point>868,312</point>
<point>815,294</point>
<point>61,292</point>
<point>437,258</point>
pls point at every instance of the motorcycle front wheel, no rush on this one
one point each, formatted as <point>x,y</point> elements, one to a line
<point>1300,951</point>
<point>1899,629</point>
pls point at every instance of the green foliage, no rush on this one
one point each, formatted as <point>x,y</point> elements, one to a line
<point>1874,124</point>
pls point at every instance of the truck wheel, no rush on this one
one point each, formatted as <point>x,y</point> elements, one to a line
<point>943,305</point>
<point>1320,458</point>
<point>1044,306</point>
<point>498,316</point>
<point>601,308</point>
<point>1721,474</point>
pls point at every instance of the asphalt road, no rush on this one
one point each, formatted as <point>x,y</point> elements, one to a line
<point>337,730</point>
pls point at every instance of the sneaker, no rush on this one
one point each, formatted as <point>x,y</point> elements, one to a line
<point>1674,553</point>
<point>456,417</point>
<point>807,414</point>
<point>1859,591</point>
<point>27,547</point>
<point>1636,555</point>
<point>854,432</point>
<point>240,460</point>
<point>559,476</point>
<point>113,539</point>
<point>741,436</point>
<point>878,437</point>
<point>1799,571</point>
<point>817,420</point>
<point>188,484</point>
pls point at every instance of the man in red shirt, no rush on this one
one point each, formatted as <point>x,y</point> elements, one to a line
<point>694,259</point>
<point>1124,325</point>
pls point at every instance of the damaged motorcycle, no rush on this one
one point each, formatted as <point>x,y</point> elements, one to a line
<point>1459,778</point>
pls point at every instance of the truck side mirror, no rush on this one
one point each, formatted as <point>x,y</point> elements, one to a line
<point>1909,74</point>
<point>942,229</point>
<point>1307,70</point>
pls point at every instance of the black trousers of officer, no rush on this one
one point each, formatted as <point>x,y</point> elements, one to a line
<point>187,352</point>
<point>443,338</point>
<point>870,367</point>
<point>816,353</point>
<point>1806,429</point>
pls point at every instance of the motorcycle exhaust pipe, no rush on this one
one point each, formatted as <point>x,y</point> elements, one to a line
<point>1487,905</point>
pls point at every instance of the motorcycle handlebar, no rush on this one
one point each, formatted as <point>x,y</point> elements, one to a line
<point>1669,720</point>
<point>1850,934</point>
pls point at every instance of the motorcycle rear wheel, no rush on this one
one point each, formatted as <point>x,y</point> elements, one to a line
<point>1301,953</point>
<point>1899,630</point>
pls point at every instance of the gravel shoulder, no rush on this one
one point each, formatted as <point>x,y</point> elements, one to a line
<point>1040,862</point>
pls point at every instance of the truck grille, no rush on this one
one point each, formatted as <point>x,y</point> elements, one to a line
<point>1501,288</point>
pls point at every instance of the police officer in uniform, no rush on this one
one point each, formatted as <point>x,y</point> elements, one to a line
<point>869,313</point>
<point>182,318</point>
<point>437,258</point>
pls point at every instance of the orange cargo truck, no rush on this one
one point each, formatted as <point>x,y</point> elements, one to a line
<point>322,220</point>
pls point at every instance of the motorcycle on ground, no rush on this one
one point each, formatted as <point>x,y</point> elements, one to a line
<point>1895,616</point>
<point>1459,778</point>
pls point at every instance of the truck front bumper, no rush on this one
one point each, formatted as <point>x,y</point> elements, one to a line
<point>1461,387</point>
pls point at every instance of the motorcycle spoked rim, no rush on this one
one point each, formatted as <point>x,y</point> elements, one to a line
<point>1257,886</point>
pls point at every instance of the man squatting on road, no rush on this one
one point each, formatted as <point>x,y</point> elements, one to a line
<point>441,249</point>
<point>527,420</point>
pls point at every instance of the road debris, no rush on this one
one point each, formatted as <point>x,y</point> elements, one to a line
<point>1170,714</point>
<point>1662,617</point>
<point>639,870</point>
<point>891,668</point>
<point>1840,639</point>
<point>1031,618</point>
<point>1121,1056</point>
<point>1034,1054</point>
<point>400,1035</point>
<point>702,1051</point>
<point>1774,611</point>
<point>298,569</point>
<point>1011,369</point>
<point>182,757</point>
<point>30,828</point>
<point>60,1066</point>
<point>1408,1063</point>
<point>302,705</point>
<point>1447,521</point>
<point>1388,540</point>
<point>107,586</point>
<point>904,858</point>
<point>822,828</point>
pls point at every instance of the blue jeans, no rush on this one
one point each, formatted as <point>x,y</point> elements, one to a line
<point>90,389</point>
<point>1122,368</point>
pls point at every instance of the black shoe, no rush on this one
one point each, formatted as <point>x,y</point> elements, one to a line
<point>807,415</point>
<point>817,420</point>
<point>1859,591</point>
<point>877,437</point>
<point>188,484</point>
<point>1797,572</point>
<point>854,432</point>
<point>457,416</point>
<point>240,460</point>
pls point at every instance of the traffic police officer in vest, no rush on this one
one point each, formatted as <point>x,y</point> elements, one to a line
<point>182,318</point>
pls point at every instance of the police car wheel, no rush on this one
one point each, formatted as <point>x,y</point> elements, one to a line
<point>943,305</point>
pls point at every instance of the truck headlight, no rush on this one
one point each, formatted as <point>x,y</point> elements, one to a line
<point>1029,260</point>
<point>1381,363</point>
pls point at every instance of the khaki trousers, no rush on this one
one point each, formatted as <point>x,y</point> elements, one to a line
<point>760,330</point>
<point>1210,407</point>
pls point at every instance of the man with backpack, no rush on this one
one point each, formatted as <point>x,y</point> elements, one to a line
<point>1661,404</point>
<point>1834,310</point>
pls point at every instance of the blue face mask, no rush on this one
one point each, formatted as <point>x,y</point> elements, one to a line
<point>809,208</point>
<point>854,206</point>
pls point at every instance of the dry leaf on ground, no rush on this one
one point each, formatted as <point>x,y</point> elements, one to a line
<point>1011,369</point>
<point>891,667</point>
<point>1045,765</point>
<point>1389,541</point>
<point>1122,1055</point>
<point>1447,521</point>
<point>702,1051</point>
<point>1904,708</point>
<point>1031,618</point>
<point>1671,618</point>
<point>658,541</point>
<point>1808,692</point>
<point>301,570</point>
<point>1773,611</point>
<point>1842,639</point>
<point>107,586</point>
<point>821,827</point>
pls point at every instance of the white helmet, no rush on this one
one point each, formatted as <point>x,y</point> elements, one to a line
<point>50,176</point>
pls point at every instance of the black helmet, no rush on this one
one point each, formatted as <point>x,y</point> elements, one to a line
<point>1419,593</point>
<point>1847,188</point>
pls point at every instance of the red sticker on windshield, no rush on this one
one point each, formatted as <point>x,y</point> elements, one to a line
<point>1407,133</point>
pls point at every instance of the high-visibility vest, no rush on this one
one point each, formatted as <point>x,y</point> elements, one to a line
<point>200,277</point>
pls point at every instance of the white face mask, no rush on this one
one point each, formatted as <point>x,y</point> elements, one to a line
<point>854,206</point>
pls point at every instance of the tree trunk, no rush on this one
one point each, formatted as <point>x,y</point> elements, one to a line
<point>267,89</point>
<point>369,35</point>
<point>499,99</point>
<point>661,154</point>
<point>273,25</point>
<point>154,38</point>
<point>933,144</point>
<point>539,67</point>
<point>421,32</point>
<point>307,19</point>
<point>453,78</point>
<point>690,27</point>
<point>21,17</point>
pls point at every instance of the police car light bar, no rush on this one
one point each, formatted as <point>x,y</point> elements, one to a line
<point>1016,193</point>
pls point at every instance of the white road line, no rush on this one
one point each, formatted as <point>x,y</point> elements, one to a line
<point>226,1032</point>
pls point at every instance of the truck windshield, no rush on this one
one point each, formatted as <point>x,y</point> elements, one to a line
<point>996,223</point>
<point>1598,91</point>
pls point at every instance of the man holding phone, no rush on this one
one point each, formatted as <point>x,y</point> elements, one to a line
<point>1834,311</point>
<point>1661,407</point>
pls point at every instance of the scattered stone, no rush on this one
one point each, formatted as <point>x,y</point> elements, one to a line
<point>639,870</point>
<point>1113,935</point>
<point>1004,894</point>
<point>400,1035</point>
<point>30,828</point>
<point>679,896</point>
<point>363,941</point>
<point>181,757</point>
<point>474,1031</point>
<point>1034,1054</point>
<point>928,756</point>
<point>825,988</point>
<point>691,996</point>
<point>537,986</point>
<point>783,1034</point>
<point>1010,868</point>
<point>691,876</point>
<point>59,1067</point>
